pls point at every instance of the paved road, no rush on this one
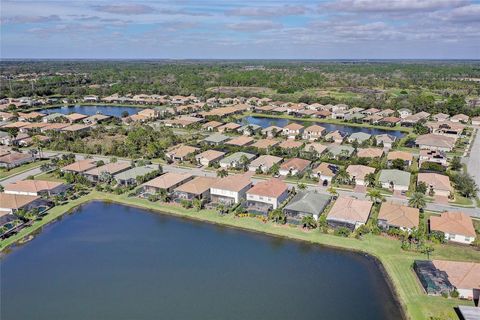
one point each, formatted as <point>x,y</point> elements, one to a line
<point>473,161</point>
<point>474,212</point>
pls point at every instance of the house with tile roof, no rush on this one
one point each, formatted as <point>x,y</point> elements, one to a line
<point>394,179</point>
<point>264,163</point>
<point>198,188</point>
<point>230,189</point>
<point>349,212</point>
<point>456,226</point>
<point>438,183</point>
<point>306,203</point>
<point>392,215</point>
<point>464,276</point>
<point>358,173</point>
<point>80,166</point>
<point>266,195</point>
<point>11,203</point>
<point>292,130</point>
<point>166,182</point>
<point>35,188</point>
<point>208,157</point>
<point>294,166</point>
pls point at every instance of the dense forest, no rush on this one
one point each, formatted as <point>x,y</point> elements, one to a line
<point>445,86</point>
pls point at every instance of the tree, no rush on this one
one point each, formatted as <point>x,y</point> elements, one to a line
<point>197,204</point>
<point>343,177</point>
<point>332,191</point>
<point>370,179</point>
<point>375,195</point>
<point>398,164</point>
<point>417,200</point>
<point>456,163</point>
<point>301,186</point>
<point>274,169</point>
<point>222,173</point>
<point>421,187</point>
<point>465,184</point>
<point>309,222</point>
<point>277,216</point>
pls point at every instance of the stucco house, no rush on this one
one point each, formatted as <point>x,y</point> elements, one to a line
<point>349,212</point>
<point>292,130</point>
<point>457,227</point>
<point>264,163</point>
<point>294,166</point>
<point>210,156</point>
<point>266,195</point>
<point>392,215</point>
<point>394,179</point>
<point>230,189</point>
<point>306,203</point>
<point>358,173</point>
<point>438,183</point>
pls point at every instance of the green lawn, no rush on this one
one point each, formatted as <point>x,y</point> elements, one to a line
<point>8,173</point>
<point>396,262</point>
<point>48,177</point>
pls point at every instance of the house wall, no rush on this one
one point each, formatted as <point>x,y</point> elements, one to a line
<point>348,224</point>
<point>237,196</point>
<point>444,193</point>
<point>459,238</point>
<point>396,187</point>
<point>275,202</point>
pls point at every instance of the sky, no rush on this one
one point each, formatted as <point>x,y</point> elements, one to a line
<point>236,29</point>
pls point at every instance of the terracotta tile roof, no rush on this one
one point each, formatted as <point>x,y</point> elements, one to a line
<point>315,146</point>
<point>295,164</point>
<point>212,124</point>
<point>350,209</point>
<point>398,215</point>
<point>325,169</point>
<point>437,181</point>
<point>75,116</point>
<point>232,183</point>
<point>369,153</point>
<point>453,223</point>
<point>15,201</point>
<point>436,140</point>
<point>81,166</point>
<point>462,275</point>
<point>181,151</point>
<point>14,156</point>
<point>293,126</point>
<point>405,156</point>
<point>315,128</point>
<point>290,144</point>
<point>265,160</point>
<point>197,186</point>
<point>75,127</point>
<point>229,126</point>
<point>32,186</point>
<point>210,155</point>
<point>112,168</point>
<point>18,124</point>
<point>391,119</point>
<point>55,126</point>
<point>168,180</point>
<point>240,141</point>
<point>272,188</point>
<point>359,171</point>
<point>265,143</point>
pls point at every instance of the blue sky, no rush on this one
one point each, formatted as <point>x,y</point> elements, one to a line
<point>232,29</point>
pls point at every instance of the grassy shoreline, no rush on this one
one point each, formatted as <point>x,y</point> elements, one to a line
<point>395,262</point>
<point>331,121</point>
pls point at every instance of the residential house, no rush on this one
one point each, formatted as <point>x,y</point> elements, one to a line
<point>216,139</point>
<point>370,111</point>
<point>15,159</point>
<point>306,204</point>
<point>96,118</point>
<point>290,144</point>
<point>369,153</point>
<point>389,121</point>
<point>228,127</point>
<point>198,188</point>
<point>11,203</point>
<point>211,125</point>
<point>130,177</point>
<point>476,121</point>
<point>79,166</point>
<point>75,117</point>
<point>240,141</point>
<point>265,144</point>
<point>386,140</point>
<point>437,183</point>
<point>112,168</point>
<point>264,163</point>
<point>314,148</point>
<point>181,152</point>
<point>325,172</point>
<point>465,277</point>
<point>349,212</point>
<point>76,128</point>
<point>358,173</point>
<point>439,157</point>
<point>35,188</point>
<point>397,216</point>
<point>360,137</point>
<point>30,116</point>
<point>272,131</point>
<point>440,117</point>
<point>28,141</point>
<point>407,157</point>
<point>404,112</point>
<point>266,195</point>
<point>394,179</point>
<point>456,226</point>
<point>313,132</point>
<point>235,160</point>
<point>208,157</point>
<point>340,151</point>
<point>249,129</point>
<point>294,166</point>
<point>292,130</point>
<point>446,128</point>
<point>335,136</point>
<point>230,189</point>
<point>166,182</point>
<point>460,118</point>
<point>438,142</point>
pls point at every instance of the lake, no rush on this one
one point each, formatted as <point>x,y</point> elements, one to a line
<point>110,110</point>
<point>280,122</point>
<point>109,261</point>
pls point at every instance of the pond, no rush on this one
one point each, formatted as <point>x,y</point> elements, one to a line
<point>110,110</point>
<point>280,122</point>
<point>109,261</point>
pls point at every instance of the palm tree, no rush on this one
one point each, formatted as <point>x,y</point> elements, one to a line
<point>375,195</point>
<point>277,216</point>
<point>309,222</point>
<point>343,176</point>
<point>417,200</point>
<point>197,204</point>
<point>332,191</point>
<point>222,173</point>
<point>301,186</point>
<point>370,179</point>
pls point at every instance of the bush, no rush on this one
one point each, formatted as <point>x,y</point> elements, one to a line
<point>454,293</point>
<point>342,232</point>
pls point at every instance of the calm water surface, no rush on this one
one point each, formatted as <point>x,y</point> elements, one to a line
<point>110,110</point>
<point>113,262</point>
<point>280,122</point>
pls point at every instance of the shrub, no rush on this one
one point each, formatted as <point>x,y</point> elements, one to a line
<point>342,232</point>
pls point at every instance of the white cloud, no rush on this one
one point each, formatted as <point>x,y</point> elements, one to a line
<point>254,25</point>
<point>270,11</point>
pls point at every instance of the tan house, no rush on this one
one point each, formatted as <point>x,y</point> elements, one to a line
<point>438,142</point>
<point>240,141</point>
<point>369,153</point>
<point>464,276</point>
<point>292,130</point>
<point>358,172</point>
<point>457,227</point>
<point>231,126</point>
<point>265,143</point>
<point>266,195</point>
<point>168,182</point>
<point>272,131</point>
<point>11,203</point>
<point>315,147</point>
<point>290,144</point>
<point>111,168</point>
<point>294,166</point>
<point>35,188</point>
<point>211,125</point>
<point>207,157</point>
<point>325,172</point>
<point>179,153</point>
<point>264,163</point>
<point>15,159</point>
<point>80,166</point>
<point>313,132</point>
<point>438,183</point>
<point>397,216</point>
<point>198,188</point>
<point>460,118</point>
<point>335,136</point>
<point>349,212</point>
<point>75,117</point>
<point>439,157</point>
<point>407,157</point>
<point>230,189</point>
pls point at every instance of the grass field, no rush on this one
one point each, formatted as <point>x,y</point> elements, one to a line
<point>396,262</point>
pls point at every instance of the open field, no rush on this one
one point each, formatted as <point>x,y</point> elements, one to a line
<point>396,262</point>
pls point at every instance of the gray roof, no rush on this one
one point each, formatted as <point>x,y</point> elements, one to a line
<point>398,177</point>
<point>354,116</point>
<point>252,127</point>
<point>235,157</point>
<point>133,173</point>
<point>385,138</point>
<point>308,202</point>
<point>216,138</point>
<point>337,149</point>
<point>4,134</point>
<point>53,116</point>
<point>469,313</point>
<point>359,136</point>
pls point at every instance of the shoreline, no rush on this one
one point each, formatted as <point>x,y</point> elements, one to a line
<point>377,260</point>
<point>395,264</point>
